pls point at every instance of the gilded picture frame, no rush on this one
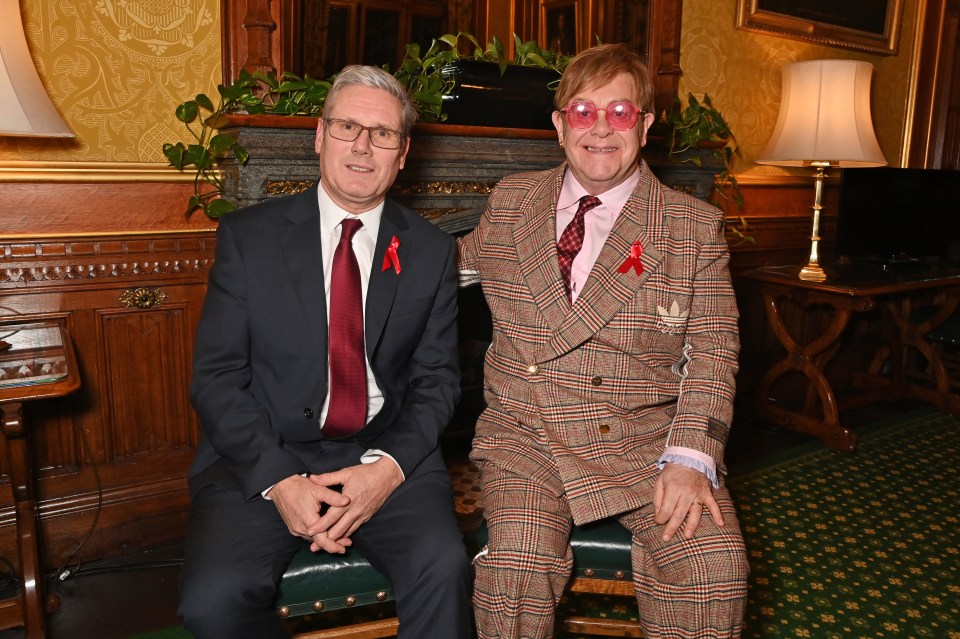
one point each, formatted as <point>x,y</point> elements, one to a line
<point>872,26</point>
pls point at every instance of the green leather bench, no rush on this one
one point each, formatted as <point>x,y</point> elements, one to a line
<point>323,583</point>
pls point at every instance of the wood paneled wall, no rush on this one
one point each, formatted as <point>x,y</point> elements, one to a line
<point>123,443</point>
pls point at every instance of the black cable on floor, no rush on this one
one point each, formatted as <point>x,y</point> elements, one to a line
<point>64,572</point>
<point>9,576</point>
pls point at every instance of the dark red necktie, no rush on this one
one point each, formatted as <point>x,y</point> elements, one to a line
<point>571,240</point>
<point>347,412</point>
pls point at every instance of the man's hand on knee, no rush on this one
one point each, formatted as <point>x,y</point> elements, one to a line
<point>680,495</point>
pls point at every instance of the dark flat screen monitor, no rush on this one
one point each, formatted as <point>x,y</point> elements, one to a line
<point>893,215</point>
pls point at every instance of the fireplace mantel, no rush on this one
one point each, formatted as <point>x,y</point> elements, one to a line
<point>449,173</point>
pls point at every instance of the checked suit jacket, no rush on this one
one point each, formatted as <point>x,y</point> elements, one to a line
<point>638,363</point>
<point>260,364</point>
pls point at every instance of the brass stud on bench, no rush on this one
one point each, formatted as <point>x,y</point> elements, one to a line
<point>351,600</point>
<point>284,611</point>
<point>318,606</point>
<point>381,596</point>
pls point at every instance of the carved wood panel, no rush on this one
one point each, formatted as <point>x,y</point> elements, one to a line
<point>123,443</point>
<point>145,356</point>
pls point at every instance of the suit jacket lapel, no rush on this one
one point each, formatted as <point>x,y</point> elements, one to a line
<point>301,246</point>
<point>535,237</point>
<point>383,283</point>
<point>607,291</point>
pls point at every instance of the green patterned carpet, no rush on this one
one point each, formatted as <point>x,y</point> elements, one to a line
<point>857,546</point>
<point>862,546</point>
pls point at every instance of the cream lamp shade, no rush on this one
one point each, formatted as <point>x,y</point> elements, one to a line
<point>824,121</point>
<point>25,107</point>
<point>824,116</point>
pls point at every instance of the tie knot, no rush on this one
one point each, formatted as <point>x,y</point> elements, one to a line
<point>348,227</point>
<point>588,202</point>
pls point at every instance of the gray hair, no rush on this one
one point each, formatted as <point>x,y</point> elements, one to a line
<point>376,78</point>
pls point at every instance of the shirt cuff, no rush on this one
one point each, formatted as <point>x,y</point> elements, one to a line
<point>691,459</point>
<point>468,277</point>
<point>374,454</point>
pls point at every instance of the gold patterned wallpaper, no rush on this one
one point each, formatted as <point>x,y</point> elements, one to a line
<point>740,71</point>
<point>116,69</point>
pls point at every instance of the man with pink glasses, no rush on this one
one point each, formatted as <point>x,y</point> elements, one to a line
<point>610,379</point>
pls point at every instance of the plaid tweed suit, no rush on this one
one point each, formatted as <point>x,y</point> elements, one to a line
<point>582,401</point>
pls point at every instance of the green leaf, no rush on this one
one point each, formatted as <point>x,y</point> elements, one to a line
<point>205,102</point>
<point>199,156</point>
<point>174,154</point>
<point>240,153</point>
<point>269,79</point>
<point>292,85</point>
<point>221,144</point>
<point>216,208</point>
<point>450,40</point>
<point>536,59</point>
<point>193,204</point>
<point>427,97</point>
<point>188,111</point>
<point>412,53</point>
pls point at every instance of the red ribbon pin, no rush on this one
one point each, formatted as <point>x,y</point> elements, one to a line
<point>633,260</point>
<point>391,256</point>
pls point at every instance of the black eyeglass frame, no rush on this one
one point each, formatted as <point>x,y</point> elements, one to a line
<point>369,129</point>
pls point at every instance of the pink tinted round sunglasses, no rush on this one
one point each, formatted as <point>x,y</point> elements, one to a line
<point>621,115</point>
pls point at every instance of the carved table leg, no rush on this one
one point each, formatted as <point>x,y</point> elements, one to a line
<point>913,336</point>
<point>21,479</point>
<point>810,360</point>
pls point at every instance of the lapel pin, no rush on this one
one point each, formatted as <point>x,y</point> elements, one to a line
<point>633,260</point>
<point>390,258</point>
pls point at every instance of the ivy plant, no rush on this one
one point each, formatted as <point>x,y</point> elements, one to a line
<point>289,94</point>
<point>700,125</point>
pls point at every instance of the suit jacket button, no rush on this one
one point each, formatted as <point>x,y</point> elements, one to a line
<point>533,369</point>
<point>604,429</point>
<point>308,413</point>
<point>596,380</point>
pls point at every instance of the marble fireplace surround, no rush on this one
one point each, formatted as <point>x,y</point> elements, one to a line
<point>449,173</point>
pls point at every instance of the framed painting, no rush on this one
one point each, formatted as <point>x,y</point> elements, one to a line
<point>865,25</point>
<point>559,26</point>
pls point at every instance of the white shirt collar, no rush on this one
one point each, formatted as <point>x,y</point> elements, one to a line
<point>331,214</point>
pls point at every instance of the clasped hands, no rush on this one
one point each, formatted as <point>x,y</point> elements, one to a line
<point>363,489</point>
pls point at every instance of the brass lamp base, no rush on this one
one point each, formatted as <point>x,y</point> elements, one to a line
<point>812,272</point>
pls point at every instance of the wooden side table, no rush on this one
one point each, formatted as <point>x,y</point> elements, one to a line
<point>848,291</point>
<point>37,363</point>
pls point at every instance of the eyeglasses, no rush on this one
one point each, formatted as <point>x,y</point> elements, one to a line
<point>621,116</point>
<point>348,131</point>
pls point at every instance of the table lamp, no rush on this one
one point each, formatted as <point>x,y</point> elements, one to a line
<point>25,107</point>
<point>824,121</point>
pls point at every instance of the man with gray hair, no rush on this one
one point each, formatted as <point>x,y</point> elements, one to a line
<point>325,370</point>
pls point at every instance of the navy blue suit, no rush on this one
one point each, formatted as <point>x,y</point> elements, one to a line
<point>260,380</point>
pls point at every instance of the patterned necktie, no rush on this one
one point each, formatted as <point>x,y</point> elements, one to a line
<point>347,412</point>
<point>571,240</point>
